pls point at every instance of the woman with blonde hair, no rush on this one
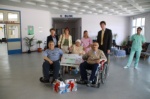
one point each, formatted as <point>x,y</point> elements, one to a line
<point>86,41</point>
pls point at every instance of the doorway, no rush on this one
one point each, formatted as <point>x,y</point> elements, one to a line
<point>74,25</point>
<point>10,26</point>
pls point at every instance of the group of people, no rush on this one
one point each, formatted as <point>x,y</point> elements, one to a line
<point>92,52</point>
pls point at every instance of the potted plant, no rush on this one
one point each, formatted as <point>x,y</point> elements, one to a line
<point>29,43</point>
<point>39,49</point>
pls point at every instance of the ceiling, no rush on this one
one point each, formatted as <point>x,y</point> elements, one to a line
<point>108,7</point>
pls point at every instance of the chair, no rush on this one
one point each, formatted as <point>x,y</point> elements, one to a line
<point>147,53</point>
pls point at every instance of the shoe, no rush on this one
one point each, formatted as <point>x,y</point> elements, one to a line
<point>43,80</point>
<point>135,67</point>
<point>81,82</point>
<point>53,81</point>
<point>89,83</point>
<point>125,67</point>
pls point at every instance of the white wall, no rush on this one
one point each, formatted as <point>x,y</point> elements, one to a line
<point>118,24</point>
<point>147,24</point>
<point>36,18</point>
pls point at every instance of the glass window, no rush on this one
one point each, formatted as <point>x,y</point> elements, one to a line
<point>1,16</point>
<point>133,30</point>
<point>12,17</point>
<point>138,22</point>
<point>134,23</point>
<point>143,31</point>
<point>143,21</point>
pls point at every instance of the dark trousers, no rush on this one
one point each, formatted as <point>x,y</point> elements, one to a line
<point>101,47</point>
<point>55,66</point>
<point>83,72</point>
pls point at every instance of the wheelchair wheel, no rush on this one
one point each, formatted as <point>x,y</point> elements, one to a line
<point>98,80</point>
<point>104,74</point>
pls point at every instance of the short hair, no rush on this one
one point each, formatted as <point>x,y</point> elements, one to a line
<point>102,22</point>
<point>52,29</point>
<point>139,28</point>
<point>50,42</point>
<point>96,42</point>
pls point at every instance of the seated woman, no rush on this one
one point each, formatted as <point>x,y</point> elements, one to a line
<point>77,48</point>
<point>92,60</point>
<point>51,57</point>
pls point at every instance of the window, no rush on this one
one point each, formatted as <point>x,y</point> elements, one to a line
<point>138,22</point>
<point>1,16</point>
<point>12,17</point>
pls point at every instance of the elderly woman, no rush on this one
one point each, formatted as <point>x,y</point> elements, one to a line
<point>77,48</point>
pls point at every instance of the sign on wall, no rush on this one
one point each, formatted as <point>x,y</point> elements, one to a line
<point>30,30</point>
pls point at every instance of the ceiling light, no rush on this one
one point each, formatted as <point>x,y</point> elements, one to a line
<point>82,10</point>
<point>74,8</point>
<point>96,13</point>
<point>115,3</point>
<point>40,0</point>
<point>44,5</point>
<point>55,8</point>
<point>94,9</point>
<point>53,3</point>
<point>73,11</point>
<point>99,5</point>
<point>16,0</point>
<point>66,0</point>
<point>100,11</point>
<point>65,6</point>
<point>64,9</point>
<point>86,6</point>
<point>89,12</point>
<point>91,1</point>
<point>112,10</point>
<point>120,6</point>
<point>31,3</point>
<point>77,4</point>
<point>80,13</point>
<point>106,8</point>
<point>105,12</point>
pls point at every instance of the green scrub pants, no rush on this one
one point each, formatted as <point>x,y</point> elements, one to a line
<point>138,53</point>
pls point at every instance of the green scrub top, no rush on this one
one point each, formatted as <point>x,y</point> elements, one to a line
<point>137,41</point>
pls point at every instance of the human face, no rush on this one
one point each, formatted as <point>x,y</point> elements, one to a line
<point>103,26</point>
<point>85,34</point>
<point>78,44</point>
<point>66,31</point>
<point>52,33</point>
<point>51,45</point>
<point>95,46</point>
<point>139,31</point>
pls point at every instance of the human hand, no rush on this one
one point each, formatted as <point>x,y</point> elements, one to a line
<point>51,62</point>
<point>108,51</point>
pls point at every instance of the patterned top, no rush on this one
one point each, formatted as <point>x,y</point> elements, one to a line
<point>85,42</point>
<point>77,50</point>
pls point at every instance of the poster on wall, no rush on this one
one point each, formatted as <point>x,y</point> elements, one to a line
<point>30,30</point>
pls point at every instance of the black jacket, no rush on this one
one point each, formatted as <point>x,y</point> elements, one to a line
<point>49,38</point>
<point>107,40</point>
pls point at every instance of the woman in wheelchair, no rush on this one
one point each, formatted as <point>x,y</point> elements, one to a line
<point>51,57</point>
<point>92,61</point>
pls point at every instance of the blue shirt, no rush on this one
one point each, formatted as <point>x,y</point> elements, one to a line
<point>137,41</point>
<point>53,55</point>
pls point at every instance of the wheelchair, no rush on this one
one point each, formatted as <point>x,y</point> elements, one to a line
<point>100,74</point>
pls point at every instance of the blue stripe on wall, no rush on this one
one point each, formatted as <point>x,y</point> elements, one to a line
<point>14,40</point>
<point>17,51</point>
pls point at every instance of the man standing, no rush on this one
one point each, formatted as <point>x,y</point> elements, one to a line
<point>137,41</point>
<point>104,39</point>
<point>53,37</point>
<point>52,59</point>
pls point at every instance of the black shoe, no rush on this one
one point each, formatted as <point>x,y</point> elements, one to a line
<point>43,80</point>
<point>82,82</point>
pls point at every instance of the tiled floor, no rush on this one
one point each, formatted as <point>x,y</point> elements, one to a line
<point>19,79</point>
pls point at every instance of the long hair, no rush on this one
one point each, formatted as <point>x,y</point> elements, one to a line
<point>84,33</point>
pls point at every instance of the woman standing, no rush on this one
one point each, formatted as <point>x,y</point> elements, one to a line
<point>86,41</point>
<point>65,41</point>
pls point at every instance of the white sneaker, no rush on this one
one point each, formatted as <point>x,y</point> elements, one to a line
<point>125,67</point>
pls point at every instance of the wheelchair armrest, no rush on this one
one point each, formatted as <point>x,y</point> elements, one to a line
<point>102,62</point>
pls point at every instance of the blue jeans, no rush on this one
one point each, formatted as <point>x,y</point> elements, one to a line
<point>83,72</point>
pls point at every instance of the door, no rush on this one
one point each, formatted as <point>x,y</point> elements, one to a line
<point>13,39</point>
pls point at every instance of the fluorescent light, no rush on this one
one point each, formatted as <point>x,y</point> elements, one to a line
<point>82,10</point>
<point>44,5</point>
<point>106,8</point>
<point>66,0</point>
<point>91,1</point>
<point>73,11</point>
<point>53,3</point>
<point>31,3</point>
<point>112,10</point>
<point>64,9</point>
<point>65,6</point>
<point>100,11</point>
<point>120,6</point>
<point>99,5</point>
<point>115,3</point>
<point>80,13</point>
<point>89,12</point>
<point>74,8</point>
<point>16,0</point>
<point>86,6</point>
<point>40,0</point>
<point>55,8</point>
<point>96,13</point>
<point>77,4</point>
<point>94,9</point>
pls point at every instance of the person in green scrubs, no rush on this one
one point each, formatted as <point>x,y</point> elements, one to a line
<point>137,41</point>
